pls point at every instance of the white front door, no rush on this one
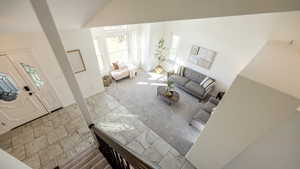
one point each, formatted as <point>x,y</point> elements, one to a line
<point>17,105</point>
<point>31,73</point>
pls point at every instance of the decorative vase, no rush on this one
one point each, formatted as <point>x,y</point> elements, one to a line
<point>169,93</point>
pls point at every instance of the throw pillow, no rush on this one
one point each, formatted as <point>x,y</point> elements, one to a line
<point>180,70</point>
<point>115,66</point>
<point>207,82</point>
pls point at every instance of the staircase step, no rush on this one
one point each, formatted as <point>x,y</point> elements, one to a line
<point>89,164</point>
<point>100,164</point>
<point>91,158</point>
<point>81,158</point>
<point>76,159</point>
<point>107,167</point>
<point>85,160</point>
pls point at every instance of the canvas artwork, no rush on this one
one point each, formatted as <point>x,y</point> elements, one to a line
<point>193,58</point>
<point>202,56</point>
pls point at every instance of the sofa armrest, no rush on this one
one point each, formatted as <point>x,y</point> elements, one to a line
<point>208,90</point>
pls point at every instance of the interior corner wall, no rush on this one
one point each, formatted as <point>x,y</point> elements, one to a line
<point>277,66</point>
<point>248,112</point>
<point>277,150</point>
<point>89,81</point>
<point>155,34</point>
<point>144,36</point>
<point>8,161</point>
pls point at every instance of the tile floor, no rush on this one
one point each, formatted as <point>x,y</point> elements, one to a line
<point>125,127</point>
<point>49,141</point>
<point>58,137</point>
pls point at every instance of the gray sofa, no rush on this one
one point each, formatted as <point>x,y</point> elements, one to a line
<point>201,118</point>
<point>190,81</point>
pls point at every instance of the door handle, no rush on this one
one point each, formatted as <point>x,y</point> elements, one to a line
<point>26,88</point>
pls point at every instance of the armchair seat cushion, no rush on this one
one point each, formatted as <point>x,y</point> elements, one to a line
<point>202,116</point>
<point>120,73</point>
<point>179,79</point>
<point>195,88</point>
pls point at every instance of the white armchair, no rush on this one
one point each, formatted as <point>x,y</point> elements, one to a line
<point>121,72</point>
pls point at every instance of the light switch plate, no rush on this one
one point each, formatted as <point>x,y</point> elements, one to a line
<point>298,109</point>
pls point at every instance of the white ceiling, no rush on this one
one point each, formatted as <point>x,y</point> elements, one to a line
<point>18,15</point>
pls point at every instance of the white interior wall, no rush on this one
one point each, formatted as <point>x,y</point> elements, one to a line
<point>156,33</point>
<point>236,40</point>
<point>277,150</point>
<point>277,66</point>
<point>7,161</point>
<point>248,111</point>
<point>89,82</point>
<point>246,124</point>
<point>144,47</point>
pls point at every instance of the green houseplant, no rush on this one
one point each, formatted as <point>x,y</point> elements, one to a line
<point>170,86</point>
<point>160,54</point>
<point>160,51</point>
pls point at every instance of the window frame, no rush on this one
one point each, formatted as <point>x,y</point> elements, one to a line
<point>117,32</point>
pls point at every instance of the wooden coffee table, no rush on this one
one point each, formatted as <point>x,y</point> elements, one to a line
<point>161,92</point>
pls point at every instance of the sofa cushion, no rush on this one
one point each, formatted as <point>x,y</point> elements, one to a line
<point>195,88</point>
<point>179,79</point>
<point>208,107</point>
<point>193,75</point>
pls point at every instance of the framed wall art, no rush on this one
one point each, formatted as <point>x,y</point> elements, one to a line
<point>76,60</point>
<point>203,57</point>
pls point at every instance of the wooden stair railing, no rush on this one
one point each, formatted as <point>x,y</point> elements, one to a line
<point>118,156</point>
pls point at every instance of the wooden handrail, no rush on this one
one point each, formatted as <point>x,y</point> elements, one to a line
<point>122,153</point>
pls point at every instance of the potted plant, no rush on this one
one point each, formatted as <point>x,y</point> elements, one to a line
<point>160,54</point>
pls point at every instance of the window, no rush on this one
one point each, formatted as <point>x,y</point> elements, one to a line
<point>116,44</point>
<point>8,89</point>
<point>117,47</point>
<point>174,47</point>
<point>33,74</point>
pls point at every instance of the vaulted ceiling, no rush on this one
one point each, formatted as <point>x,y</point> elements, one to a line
<point>144,11</point>
<point>18,16</point>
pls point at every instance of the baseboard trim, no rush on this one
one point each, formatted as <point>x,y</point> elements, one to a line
<point>56,109</point>
<point>38,118</point>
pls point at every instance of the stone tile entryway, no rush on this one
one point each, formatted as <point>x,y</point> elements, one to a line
<point>58,137</point>
<point>49,141</point>
<point>124,126</point>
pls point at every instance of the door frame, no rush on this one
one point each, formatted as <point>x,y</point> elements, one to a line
<point>14,115</point>
<point>28,80</point>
